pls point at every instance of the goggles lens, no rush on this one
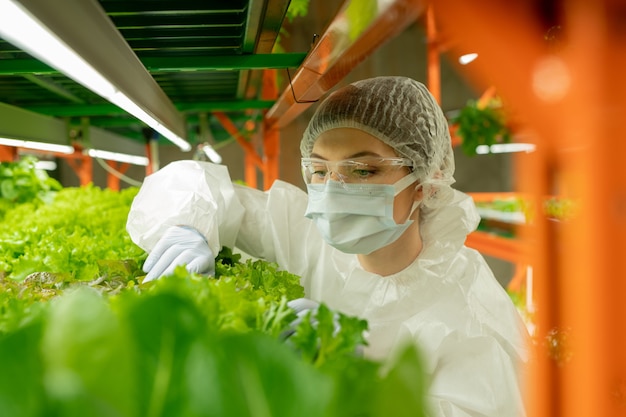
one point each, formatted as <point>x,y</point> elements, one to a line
<point>375,170</point>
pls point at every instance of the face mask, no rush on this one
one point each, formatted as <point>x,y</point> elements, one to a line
<point>357,218</point>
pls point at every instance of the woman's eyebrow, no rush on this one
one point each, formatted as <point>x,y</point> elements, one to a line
<point>363,153</point>
<point>356,155</point>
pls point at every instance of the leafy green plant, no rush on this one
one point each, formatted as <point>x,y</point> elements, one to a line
<point>80,234</point>
<point>481,125</point>
<point>191,345</point>
<point>563,209</point>
<point>297,8</point>
<point>82,334</point>
<point>20,182</point>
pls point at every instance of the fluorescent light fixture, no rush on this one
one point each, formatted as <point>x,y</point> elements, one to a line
<point>46,165</point>
<point>505,148</point>
<point>122,101</point>
<point>211,153</point>
<point>119,157</point>
<point>20,28</point>
<point>41,146</point>
<point>467,58</point>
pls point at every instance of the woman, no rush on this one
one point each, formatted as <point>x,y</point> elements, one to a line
<point>380,236</point>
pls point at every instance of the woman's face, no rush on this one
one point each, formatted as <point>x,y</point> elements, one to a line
<point>347,143</point>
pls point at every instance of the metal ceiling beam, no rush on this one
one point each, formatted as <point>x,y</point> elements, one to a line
<point>84,26</point>
<point>226,105</point>
<point>263,23</point>
<point>358,29</point>
<point>173,64</point>
<point>224,62</point>
<point>18,123</point>
<point>192,119</point>
<point>260,39</point>
<point>254,19</point>
<point>111,109</point>
<point>125,7</point>
<point>53,87</point>
<point>271,21</point>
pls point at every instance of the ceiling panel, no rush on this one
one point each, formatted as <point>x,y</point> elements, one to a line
<point>180,42</point>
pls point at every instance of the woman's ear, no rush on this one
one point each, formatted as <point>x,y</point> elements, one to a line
<point>419,193</point>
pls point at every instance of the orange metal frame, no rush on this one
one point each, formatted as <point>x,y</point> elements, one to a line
<point>80,163</point>
<point>7,153</point>
<point>267,163</point>
<point>337,52</point>
<point>572,99</point>
<point>512,250</point>
<point>113,182</point>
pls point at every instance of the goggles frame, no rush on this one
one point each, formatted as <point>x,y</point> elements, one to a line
<point>310,166</point>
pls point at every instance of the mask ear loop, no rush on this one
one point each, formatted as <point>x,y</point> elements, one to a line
<point>416,203</point>
<point>404,183</point>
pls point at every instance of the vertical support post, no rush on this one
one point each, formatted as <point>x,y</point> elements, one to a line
<point>591,165</point>
<point>252,158</point>
<point>153,147</point>
<point>152,150</point>
<point>433,49</point>
<point>271,133</point>
<point>113,182</point>
<point>81,164</point>
<point>83,167</point>
<point>8,153</point>
<point>149,167</point>
<point>572,99</point>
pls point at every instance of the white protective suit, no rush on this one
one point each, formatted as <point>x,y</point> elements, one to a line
<point>447,301</point>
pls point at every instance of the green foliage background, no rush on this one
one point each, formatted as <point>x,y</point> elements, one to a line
<point>481,125</point>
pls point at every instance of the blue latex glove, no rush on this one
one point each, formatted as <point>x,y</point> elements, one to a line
<point>180,245</point>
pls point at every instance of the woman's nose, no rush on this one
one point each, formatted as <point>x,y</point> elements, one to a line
<point>333,176</point>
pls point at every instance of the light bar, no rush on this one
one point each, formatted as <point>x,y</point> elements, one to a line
<point>41,146</point>
<point>505,148</point>
<point>46,165</point>
<point>467,58</point>
<point>20,28</point>
<point>122,101</point>
<point>119,157</point>
<point>212,154</point>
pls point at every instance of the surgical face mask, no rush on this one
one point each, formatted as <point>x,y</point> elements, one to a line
<point>357,218</point>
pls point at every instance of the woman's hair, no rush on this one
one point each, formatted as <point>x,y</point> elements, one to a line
<point>403,114</point>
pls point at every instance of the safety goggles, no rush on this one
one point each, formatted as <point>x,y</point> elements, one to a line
<point>368,169</point>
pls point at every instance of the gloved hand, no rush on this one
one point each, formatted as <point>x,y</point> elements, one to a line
<point>180,245</point>
<point>302,306</point>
